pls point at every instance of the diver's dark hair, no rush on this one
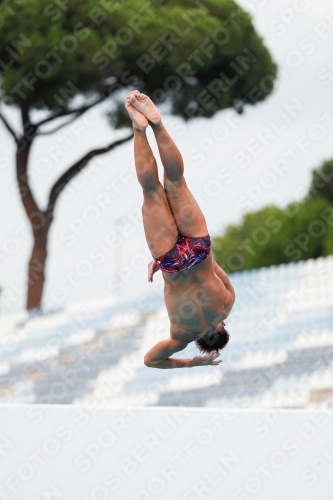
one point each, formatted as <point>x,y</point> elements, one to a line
<point>217,342</point>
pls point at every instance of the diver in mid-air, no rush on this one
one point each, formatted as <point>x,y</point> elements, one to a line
<point>198,293</point>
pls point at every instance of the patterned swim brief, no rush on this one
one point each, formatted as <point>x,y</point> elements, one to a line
<point>186,253</point>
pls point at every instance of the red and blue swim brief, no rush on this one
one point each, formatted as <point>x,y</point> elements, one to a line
<point>186,253</point>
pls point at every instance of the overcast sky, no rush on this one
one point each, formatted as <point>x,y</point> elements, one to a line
<point>233,164</point>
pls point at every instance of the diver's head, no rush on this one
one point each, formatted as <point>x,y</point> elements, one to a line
<point>214,340</point>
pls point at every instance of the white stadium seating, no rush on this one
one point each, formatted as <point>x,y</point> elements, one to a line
<point>280,353</point>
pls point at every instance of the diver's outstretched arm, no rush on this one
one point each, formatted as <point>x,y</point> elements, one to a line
<point>159,356</point>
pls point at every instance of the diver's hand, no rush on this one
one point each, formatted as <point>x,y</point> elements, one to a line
<point>152,269</point>
<point>207,360</point>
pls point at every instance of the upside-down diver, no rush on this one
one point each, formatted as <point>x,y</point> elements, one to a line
<point>198,293</point>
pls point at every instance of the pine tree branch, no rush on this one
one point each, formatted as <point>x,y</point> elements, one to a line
<point>77,112</point>
<point>59,126</point>
<point>8,127</point>
<point>62,182</point>
<point>62,113</point>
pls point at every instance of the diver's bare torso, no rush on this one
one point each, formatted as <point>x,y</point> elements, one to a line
<point>195,300</point>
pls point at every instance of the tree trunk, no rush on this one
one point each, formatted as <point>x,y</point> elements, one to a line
<point>36,271</point>
<point>41,220</point>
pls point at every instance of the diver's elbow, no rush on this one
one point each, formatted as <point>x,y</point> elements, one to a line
<point>148,361</point>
